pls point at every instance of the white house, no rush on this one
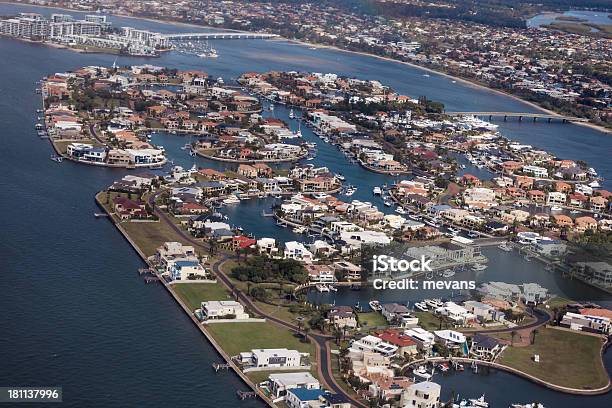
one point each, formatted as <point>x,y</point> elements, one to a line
<point>297,250</point>
<point>277,358</point>
<point>449,337</point>
<point>282,382</point>
<point>536,171</point>
<point>424,339</point>
<point>422,395</point>
<point>223,309</point>
<point>373,343</point>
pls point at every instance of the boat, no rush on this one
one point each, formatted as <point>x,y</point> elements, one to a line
<point>421,372</point>
<point>449,273</point>
<point>443,367</point>
<point>57,159</point>
<point>299,230</point>
<point>505,247</point>
<point>556,208</point>
<point>333,288</point>
<point>433,303</point>
<point>426,75</point>
<point>375,305</point>
<point>340,177</point>
<point>377,191</point>
<point>479,267</point>
<point>321,287</point>
<point>291,114</point>
<point>400,210</point>
<point>388,203</point>
<point>479,403</point>
<point>232,199</point>
<point>574,212</point>
<point>414,217</point>
<point>532,405</point>
<point>421,306</point>
<point>350,191</point>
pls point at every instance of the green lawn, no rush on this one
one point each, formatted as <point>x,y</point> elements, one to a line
<point>238,337</point>
<point>566,358</point>
<point>559,302</point>
<point>372,319</point>
<point>193,294</point>
<point>428,321</point>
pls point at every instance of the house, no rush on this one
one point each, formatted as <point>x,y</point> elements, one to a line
<point>126,208</point>
<point>581,224</point>
<point>297,250</point>
<point>223,309</point>
<point>399,314</point>
<point>424,339</point>
<point>449,338</point>
<point>485,347</point>
<point>422,395</point>
<point>458,314</point>
<point>342,316</point>
<point>272,358</point>
<point>303,397</point>
<point>334,401</point>
<point>536,171</point>
<point>551,248</point>
<point>482,311</point>
<point>373,343</point>
<point>556,198</point>
<point>283,382</point>
<point>405,344</point>
<point>586,322</point>
<point>320,273</point>
<point>182,270</point>
<point>348,270</point>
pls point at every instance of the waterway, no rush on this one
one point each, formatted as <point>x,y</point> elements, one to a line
<point>594,17</point>
<point>75,312</point>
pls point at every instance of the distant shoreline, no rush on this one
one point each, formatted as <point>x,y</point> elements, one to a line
<point>309,44</point>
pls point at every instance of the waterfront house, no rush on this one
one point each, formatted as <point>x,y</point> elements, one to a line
<point>125,208</point>
<point>586,322</point>
<point>342,316</point>
<point>550,248</point>
<point>485,347</point>
<point>320,273</point>
<point>404,343</point>
<point>373,343</point>
<point>223,309</point>
<point>348,270</point>
<point>597,273</point>
<point>424,339</point>
<point>449,338</point>
<point>458,314</point>
<point>483,311</point>
<point>182,270</point>
<point>280,383</point>
<point>303,397</point>
<point>423,395</point>
<point>272,358</point>
<point>297,250</point>
<point>398,314</point>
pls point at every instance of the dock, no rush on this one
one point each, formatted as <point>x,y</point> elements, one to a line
<point>246,394</point>
<point>151,279</point>
<point>221,366</point>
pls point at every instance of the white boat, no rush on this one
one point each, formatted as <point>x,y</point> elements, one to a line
<point>505,247</point>
<point>400,210</point>
<point>532,405</point>
<point>375,305</point>
<point>388,203</point>
<point>421,372</point>
<point>556,208</point>
<point>340,177</point>
<point>433,303</point>
<point>321,287</point>
<point>299,230</point>
<point>232,199</point>
<point>414,217</point>
<point>594,184</point>
<point>480,402</point>
<point>377,191</point>
<point>291,114</point>
<point>421,306</point>
<point>350,191</point>
<point>574,212</point>
<point>479,267</point>
<point>449,273</point>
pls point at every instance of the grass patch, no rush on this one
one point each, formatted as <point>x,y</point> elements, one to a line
<point>558,302</point>
<point>239,337</point>
<point>193,294</point>
<point>566,358</point>
<point>151,235</point>
<point>428,321</point>
<point>372,319</point>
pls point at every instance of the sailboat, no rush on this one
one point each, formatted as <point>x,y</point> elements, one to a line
<point>299,131</point>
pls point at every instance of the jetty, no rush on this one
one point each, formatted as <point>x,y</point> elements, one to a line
<point>520,116</point>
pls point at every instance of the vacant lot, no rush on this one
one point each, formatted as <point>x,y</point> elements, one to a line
<point>193,294</point>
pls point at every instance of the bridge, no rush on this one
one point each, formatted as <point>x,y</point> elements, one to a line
<point>238,35</point>
<point>520,116</point>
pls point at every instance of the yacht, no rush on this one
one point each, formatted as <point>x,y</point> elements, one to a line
<point>299,131</point>
<point>321,287</point>
<point>400,210</point>
<point>556,208</point>
<point>340,177</point>
<point>421,306</point>
<point>421,372</point>
<point>232,199</point>
<point>433,303</point>
<point>505,247</point>
<point>375,305</point>
<point>449,273</point>
<point>532,405</point>
<point>299,230</point>
<point>350,191</point>
<point>479,267</point>
<point>291,114</point>
<point>377,191</point>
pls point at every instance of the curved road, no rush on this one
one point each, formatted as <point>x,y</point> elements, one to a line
<point>321,341</point>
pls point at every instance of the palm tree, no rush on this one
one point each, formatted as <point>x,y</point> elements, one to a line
<point>513,334</point>
<point>533,335</point>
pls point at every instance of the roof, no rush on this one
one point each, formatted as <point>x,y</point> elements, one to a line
<point>305,394</point>
<point>485,341</point>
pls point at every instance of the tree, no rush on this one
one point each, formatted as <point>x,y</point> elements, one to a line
<point>533,335</point>
<point>513,334</point>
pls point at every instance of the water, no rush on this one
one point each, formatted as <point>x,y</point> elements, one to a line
<point>75,312</point>
<point>595,17</point>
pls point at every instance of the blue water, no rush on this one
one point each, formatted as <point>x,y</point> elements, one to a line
<point>596,17</point>
<point>75,312</point>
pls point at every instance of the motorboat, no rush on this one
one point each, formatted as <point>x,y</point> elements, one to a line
<point>377,191</point>
<point>291,114</point>
<point>400,210</point>
<point>388,203</point>
<point>473,234</point>
<point>375,305</point>
<point>449,273</point>
<point>232,199</point>
<point>505,247</point>
<point>321,287</point>
<point>299,230</point>
<point>556,208</point>
<point>421,372</point>
<point>350,191</point>
<point>433,303</point>
<point>340,177</point>
<point>479,267</point>
<point>421,306</point>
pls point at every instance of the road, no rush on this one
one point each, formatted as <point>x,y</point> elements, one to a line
<point>321,341</point>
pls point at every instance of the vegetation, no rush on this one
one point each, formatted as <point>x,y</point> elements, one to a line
<point>193,294</point>
<point>567,359</point>
<point>259,269</point>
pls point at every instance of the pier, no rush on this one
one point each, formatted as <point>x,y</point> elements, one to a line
<point>548,116</point>
<point>220,366</point>
<point>245,394</point>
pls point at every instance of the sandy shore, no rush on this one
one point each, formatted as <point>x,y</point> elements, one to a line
<point>462,80</point>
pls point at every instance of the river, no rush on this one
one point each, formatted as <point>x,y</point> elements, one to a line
<point>76,314</point>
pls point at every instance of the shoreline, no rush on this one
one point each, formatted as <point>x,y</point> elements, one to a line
<point>334,48</point>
